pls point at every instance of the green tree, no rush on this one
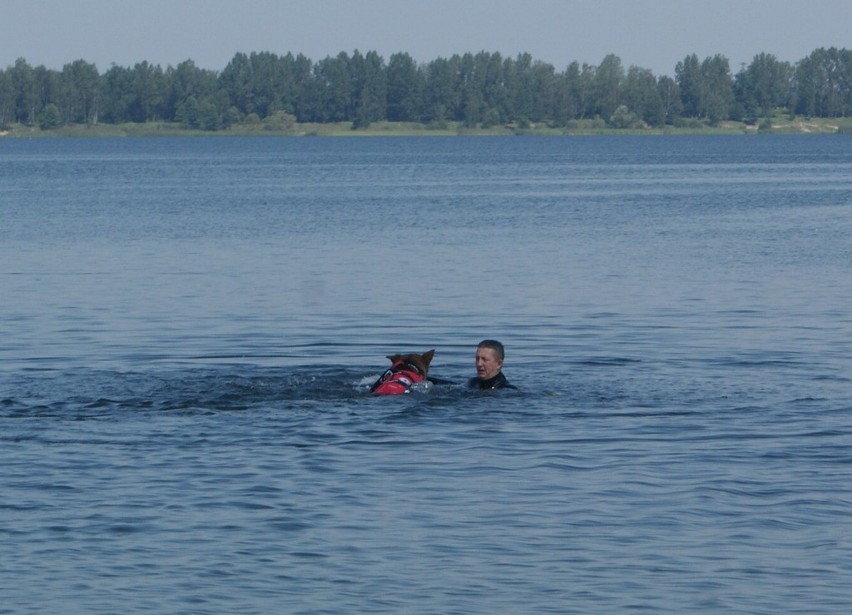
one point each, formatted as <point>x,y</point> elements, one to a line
<point>47,85</point>
<point>333,89</point>
<point>570,98</point>
<point>268,85</point>
<point>806,85</point>
<point>236,80</point>
<point>587,89</point>
<point>81,89</point>
<point>7,100</point>
<point>187,113</point>
<point>670,98</point>
<point>607,86</point>
<point>823,83</point>
<point>299,71</point>
<point>404,89</point>
<point>209,117</point>
<point>116,94</point>
<point>706,88</point>
<point>622,117</point>
<point>494,95</point>
<point>642,96</point>
<point>543,83</point>
<point>719,89</point>
<point>50,117</point>
<point>763,85</point>
<point>442,90</point>
<point>147,93</point>
<point>280,121</point>
<point>230,117</point>
<point>472,110</point>
<point>690,82</point>
<point>514,102</point>
<point>369,89</point>
<point>185,81</point>
<point>26,92</point>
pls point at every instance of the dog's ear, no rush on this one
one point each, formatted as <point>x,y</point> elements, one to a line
<point>394,358</point>
<point>427,356</point>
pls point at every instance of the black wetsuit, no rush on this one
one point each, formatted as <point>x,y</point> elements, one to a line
<point>497,382</point>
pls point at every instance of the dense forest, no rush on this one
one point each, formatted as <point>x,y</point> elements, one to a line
<point>478,90</point>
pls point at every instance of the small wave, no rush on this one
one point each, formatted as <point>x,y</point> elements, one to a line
<point>90,394</point>
<point>608,361</point>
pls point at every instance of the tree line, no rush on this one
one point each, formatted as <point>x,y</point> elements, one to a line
<point>478,90</point>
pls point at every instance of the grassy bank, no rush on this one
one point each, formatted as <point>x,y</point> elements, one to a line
<point>778,125</point>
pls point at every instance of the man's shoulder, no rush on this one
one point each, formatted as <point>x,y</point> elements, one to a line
<point>504,383</point>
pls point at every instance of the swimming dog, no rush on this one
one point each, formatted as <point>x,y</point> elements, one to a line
<point>405,370</point>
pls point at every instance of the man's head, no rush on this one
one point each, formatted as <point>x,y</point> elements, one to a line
<point>489,359</point>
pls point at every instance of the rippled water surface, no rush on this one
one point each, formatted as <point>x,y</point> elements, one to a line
<point>190,326</point>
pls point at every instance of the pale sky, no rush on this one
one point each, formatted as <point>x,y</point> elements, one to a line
<point>653,34</point>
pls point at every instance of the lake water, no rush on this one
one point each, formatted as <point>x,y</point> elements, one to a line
<point>189,328</point>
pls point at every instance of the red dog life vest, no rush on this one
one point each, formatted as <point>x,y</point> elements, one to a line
<point>397,380</point>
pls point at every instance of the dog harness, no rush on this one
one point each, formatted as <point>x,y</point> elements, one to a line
<point>397,379</point>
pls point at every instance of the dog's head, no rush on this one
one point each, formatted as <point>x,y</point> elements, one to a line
<point>419,361</point>
<point>405,370</point>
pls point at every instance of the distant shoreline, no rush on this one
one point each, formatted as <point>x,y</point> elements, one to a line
<point>780,125</point>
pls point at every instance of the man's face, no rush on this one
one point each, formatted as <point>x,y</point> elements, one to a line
<point>487,363</point>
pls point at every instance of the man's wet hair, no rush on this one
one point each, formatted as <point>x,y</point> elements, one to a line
<point>494,345</point>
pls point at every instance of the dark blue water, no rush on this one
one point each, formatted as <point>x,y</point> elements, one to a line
<point>188,329</point>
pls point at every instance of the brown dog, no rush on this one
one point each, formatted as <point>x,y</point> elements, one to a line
<point>405,370</point>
